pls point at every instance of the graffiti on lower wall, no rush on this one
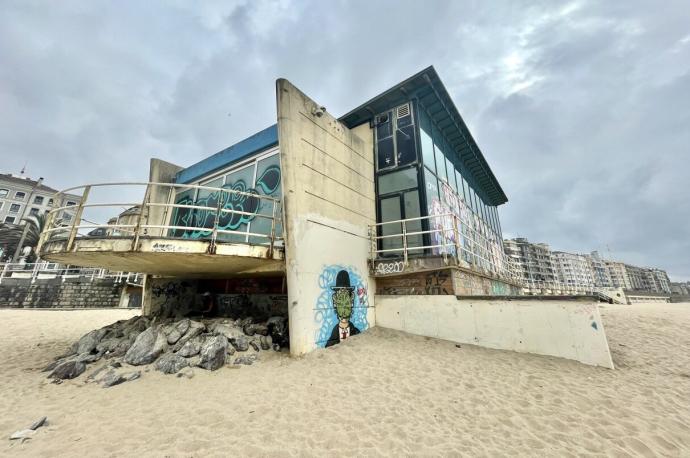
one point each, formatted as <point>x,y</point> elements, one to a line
<point>467,284</point>
<point>427,283</point>
<point>390,267</point>
<point>172,297</point>
<point>256,305</point>
<point>341,309</point>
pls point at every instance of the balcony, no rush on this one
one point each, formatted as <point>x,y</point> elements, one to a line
<point>403,246</point>
<point>175,230</point>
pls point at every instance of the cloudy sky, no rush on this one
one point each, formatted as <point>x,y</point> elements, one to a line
<point>581,108</point>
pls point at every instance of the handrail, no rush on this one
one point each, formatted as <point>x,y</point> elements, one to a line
<point>156,216</point>
<point>468,248</point>
<point>169,185</point>
<point>453,237</point>
<point>45,269</point>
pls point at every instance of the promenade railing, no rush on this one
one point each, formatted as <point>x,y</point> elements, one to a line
<point>224,214</point>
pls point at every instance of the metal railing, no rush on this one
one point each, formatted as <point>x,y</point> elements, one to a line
<point>156,213</point>
<point>456,241</point>
<point>48,270</point>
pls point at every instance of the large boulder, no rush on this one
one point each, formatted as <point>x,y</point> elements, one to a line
<point>191,347</point>
<point>119,350</point>
<point>89,341</point>
<point>227,330</point>
<point>213,352</point>
<point>170,363</point>
<point>240,343</point>
<point>195,328</point>
<point>147,347</point>
<point>113,378</point>
<point>68,370</point>
<point>109,344</point>
<point>175,331</point>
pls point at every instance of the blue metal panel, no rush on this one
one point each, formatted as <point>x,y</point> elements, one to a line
<point>242,150</point>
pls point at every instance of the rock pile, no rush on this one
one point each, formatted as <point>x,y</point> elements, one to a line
<point>173,345</point>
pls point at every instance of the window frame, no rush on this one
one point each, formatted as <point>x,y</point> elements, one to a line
<point>393,119</point>
<point>12,217</point>
<point>16,194</point>
<point>19,208</point>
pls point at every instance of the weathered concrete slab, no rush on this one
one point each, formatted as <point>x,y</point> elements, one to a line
<point>570,329</point>
<point>167,257</point>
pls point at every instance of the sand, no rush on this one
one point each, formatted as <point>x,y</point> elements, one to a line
<point>380,393</point>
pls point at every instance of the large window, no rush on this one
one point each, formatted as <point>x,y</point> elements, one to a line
<point>9,219</point>
<point>4,192</point>
<point>38,200</point>
<point>19,195</point>
<point>440,167</point>
<point>258,176</point>
<point>395,138</point>
<point>397,181</point>
<point>14,208</point>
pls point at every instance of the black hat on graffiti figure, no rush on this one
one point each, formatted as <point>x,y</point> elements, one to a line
<point>343,300</point>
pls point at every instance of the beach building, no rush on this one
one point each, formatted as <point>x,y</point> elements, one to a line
<point>387,216</point>
<point>395,197</point>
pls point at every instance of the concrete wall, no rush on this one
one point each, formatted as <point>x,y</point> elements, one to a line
<point>567,329</point>
<point>255,305</point>
<point>54,293</point>
<point>160,172</point>
<point>450,281</point>
<point>328,201</point>
<point>168,296</point>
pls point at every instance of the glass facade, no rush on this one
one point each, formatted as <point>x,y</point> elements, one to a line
<point>445,190</point>
<point>397,178</point>
<point>259,176</point>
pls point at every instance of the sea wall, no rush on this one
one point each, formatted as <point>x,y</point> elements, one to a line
<point>56,293</point>
<point>570,329</point>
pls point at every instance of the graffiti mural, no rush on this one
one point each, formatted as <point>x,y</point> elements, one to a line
<point>341,309</point>
<point>266,184</point>
<point>479,246</point>
<point>171,297</point>
<point>391,267</point>
<point>422,283</point>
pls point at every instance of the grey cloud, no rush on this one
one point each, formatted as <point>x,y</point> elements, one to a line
<point>581,108</point>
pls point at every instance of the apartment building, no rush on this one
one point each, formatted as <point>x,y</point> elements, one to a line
<point>21,196</point>
<point>534,260</point>
<point>573,270</point>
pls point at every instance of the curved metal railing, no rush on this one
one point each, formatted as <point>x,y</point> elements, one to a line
<point>159,215</point>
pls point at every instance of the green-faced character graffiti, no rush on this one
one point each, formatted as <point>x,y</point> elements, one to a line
<point>343,300</point>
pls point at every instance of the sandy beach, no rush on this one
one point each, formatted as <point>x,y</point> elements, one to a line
<point>379,393</point>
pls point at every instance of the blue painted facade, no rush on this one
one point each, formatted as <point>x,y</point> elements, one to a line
<point>256,143</point>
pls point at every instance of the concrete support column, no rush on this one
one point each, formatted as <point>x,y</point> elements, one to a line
<point>147,296</point>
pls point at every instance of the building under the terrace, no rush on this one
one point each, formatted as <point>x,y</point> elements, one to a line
<point>322,219</point>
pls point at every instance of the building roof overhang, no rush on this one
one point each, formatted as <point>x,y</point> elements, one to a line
<point>428,89</point>
<point>258,142</point>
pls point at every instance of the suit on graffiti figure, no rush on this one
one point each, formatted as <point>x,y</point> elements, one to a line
<point>343,298</point>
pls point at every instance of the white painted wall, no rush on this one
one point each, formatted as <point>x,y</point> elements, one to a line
<point>567,329</point>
